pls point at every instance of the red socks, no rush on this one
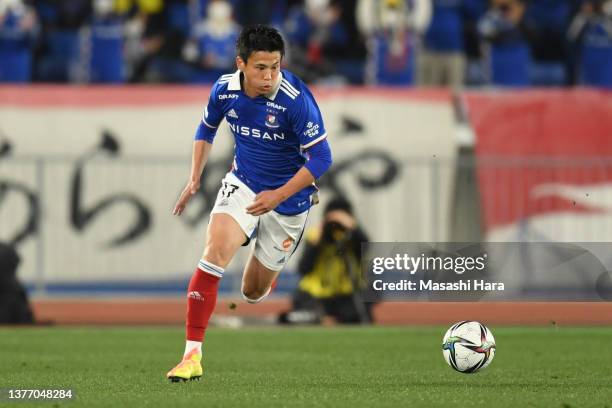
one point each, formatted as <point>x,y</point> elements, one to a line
<point>201,299</point>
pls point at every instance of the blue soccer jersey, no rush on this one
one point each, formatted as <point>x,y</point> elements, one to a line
<point>270,132</point>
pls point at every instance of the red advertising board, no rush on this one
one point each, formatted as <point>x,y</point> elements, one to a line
<point>541,152</point>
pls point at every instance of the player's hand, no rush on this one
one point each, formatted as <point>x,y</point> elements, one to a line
<point>264,202</point>
<point>191,188</point>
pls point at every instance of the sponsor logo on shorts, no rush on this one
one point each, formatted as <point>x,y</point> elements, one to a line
<point>286,246</point>
<point>287,243</point>
<point>282,260</point>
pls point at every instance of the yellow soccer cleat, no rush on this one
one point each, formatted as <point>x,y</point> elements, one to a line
<point>187,370</point>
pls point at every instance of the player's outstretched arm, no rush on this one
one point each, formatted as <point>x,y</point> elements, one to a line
<point>201,150</point>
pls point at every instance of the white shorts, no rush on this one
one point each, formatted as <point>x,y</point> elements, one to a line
<point>276,235</point>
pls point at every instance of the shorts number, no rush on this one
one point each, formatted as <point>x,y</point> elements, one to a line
<point>228,189</point>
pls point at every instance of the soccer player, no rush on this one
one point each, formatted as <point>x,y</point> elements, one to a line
<point>280,150</point>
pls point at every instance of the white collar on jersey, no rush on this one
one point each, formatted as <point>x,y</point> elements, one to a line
<point>234,84</point>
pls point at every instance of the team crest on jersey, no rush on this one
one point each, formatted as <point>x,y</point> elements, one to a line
<point>271,121</point>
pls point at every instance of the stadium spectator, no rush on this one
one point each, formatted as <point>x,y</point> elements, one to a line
<point>18,26</point>
<point>508,56</point>
<point>153,45</point>
<point>547,22</point>
<point>267,12</point>
<point>474,10</point>
<point>60,49</point>
<point>317,38</point>
<point>591,30</point>
<point>331,283</point>
<point>14,305</point>
<point>441,59</point>
<point>391,27</point>
<point>106,60</point>
<point>181,16</point>
<point>212,44</point>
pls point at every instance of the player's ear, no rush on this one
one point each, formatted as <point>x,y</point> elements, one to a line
<point>240,63</point>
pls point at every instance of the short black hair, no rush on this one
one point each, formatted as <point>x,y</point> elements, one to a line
<point>259,38</point>
<point>338,203</point>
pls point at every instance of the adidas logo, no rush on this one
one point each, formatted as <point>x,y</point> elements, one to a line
<point>232,114</point>
<point>195,295</point>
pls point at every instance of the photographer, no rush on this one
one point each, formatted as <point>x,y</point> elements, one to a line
<point>332,283</point>
<point>14,305</point>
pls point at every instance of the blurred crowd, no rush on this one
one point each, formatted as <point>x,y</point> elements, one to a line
<point>452,43</point>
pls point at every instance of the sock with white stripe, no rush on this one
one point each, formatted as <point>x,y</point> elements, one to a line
<point>201,299</point>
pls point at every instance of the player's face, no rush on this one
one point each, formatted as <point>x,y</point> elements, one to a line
<point>260,72</point>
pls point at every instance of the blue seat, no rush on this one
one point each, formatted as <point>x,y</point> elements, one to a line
<point>62,52</point>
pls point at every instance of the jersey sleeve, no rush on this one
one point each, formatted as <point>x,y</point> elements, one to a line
<point>307,121</point>
<point>319,159</point>
<point>211,118</point>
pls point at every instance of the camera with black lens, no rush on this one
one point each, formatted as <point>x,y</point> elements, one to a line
<point>334,232</point>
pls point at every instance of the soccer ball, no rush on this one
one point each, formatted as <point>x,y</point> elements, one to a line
<point>468,346</point>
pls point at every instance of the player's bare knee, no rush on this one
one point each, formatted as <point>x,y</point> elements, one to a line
<point>217,254</point>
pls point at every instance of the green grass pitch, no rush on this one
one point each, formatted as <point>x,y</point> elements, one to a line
<point>309,367</point>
